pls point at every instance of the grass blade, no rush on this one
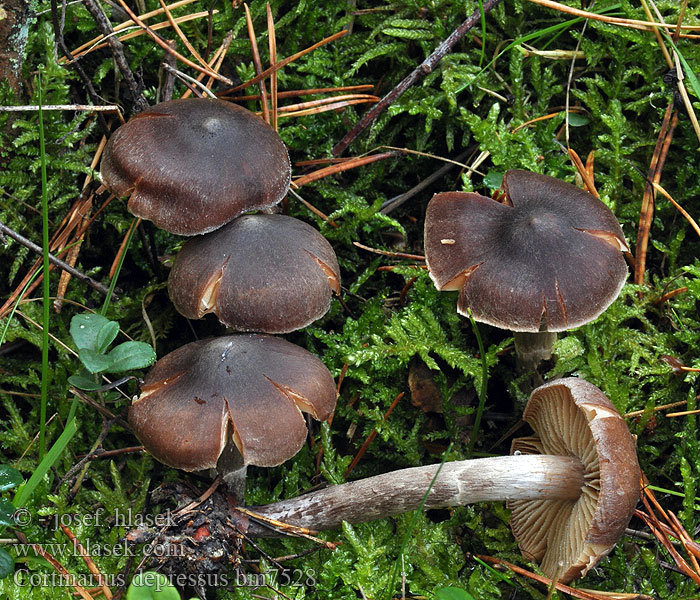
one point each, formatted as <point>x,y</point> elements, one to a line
<point>52,456</point>
<point>482,388</point>
<point>46,292</point>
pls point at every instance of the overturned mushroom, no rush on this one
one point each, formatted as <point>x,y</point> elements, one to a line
<point>572,488</point>
<point>192,165</point>
<point>546,259</point>
<point>269,273</point>
<point>229,402</point>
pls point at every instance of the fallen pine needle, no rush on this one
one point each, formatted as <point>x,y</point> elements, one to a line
<point>388,253</point>
<point>338,168</point>
<point>639,413</point>
<point>632,23</point>
<point>576,593</point>
<point>679,208</point>
<point>371,436</point>
<point>685,412</point>
<point>104,588</point>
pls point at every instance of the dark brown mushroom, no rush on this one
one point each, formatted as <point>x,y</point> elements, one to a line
<point>192,165</point>
<point>269,273</point>
<point>572,487</point>
<point>546,259</point>
<point>242,393</point>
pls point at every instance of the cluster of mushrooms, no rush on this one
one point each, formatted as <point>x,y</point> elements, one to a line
<point>193,167</point>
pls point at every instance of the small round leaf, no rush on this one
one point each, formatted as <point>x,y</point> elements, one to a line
<point>83,382</point>
<point>84,329</point>
<point>93,361</point>
<point>493,179</point>
<point>577,120</point>
<point>106,335</point>
<point>452,593</point>
<point>7,565</point>
<point>130,355</point>
<point>9,478</point>
<point>151,586</point>
<point>7,512</point>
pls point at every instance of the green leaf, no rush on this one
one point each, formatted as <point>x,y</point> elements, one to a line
<point>9,478</point>
<point>452,593</point>
<point>577,120</point>
<point>130,355</point>
<point>151,586</point>
<point>85,329</point>
<point>687,69</point>
<point>409,34</point>
<point>82,382</point>
<point>7,511</point>
<point>375,52</point>
<point>493,179</point>
<point>94,362</point>
<point>106,335</point>
<point>7,565</point>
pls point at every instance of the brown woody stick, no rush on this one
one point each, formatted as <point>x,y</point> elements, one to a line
<point>56,261</point>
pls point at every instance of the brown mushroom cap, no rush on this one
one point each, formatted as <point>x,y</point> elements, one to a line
<point>192,165</point>
<point>569,537</point>
<point>549,259</point>
<point>250,389</point>
<point>269,273</point>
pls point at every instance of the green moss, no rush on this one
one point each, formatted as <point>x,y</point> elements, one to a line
<point>388,318</point>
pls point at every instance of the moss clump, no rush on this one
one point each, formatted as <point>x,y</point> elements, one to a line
<point>485,97</point>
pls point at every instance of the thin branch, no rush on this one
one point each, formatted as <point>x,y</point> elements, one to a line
<point>77,107</point>
<point>646,213</point>
<point>397,201</point>
<point>80,549</point>
<point>312,208</point>
<point>426,67</point>
<point>117,48</point>
<point>4,229</point>
<point>181,35</point>
<point>373,434</point>
<point>576,593</point>
<point>215,62</point>
<point>129,33</point>
<point>345,166</point>
<point>309,92</point>
<point>87,82</point>
<point>69,578</point>
<point>387,253</point>
<point>272,46</point>
<point>678,207</point>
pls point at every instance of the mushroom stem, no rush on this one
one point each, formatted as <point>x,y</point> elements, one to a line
<point>520,477</point>
<point>233,471</point>
<point>533,348</point>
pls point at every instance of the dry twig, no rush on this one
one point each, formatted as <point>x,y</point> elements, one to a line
<point>4,229</point>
